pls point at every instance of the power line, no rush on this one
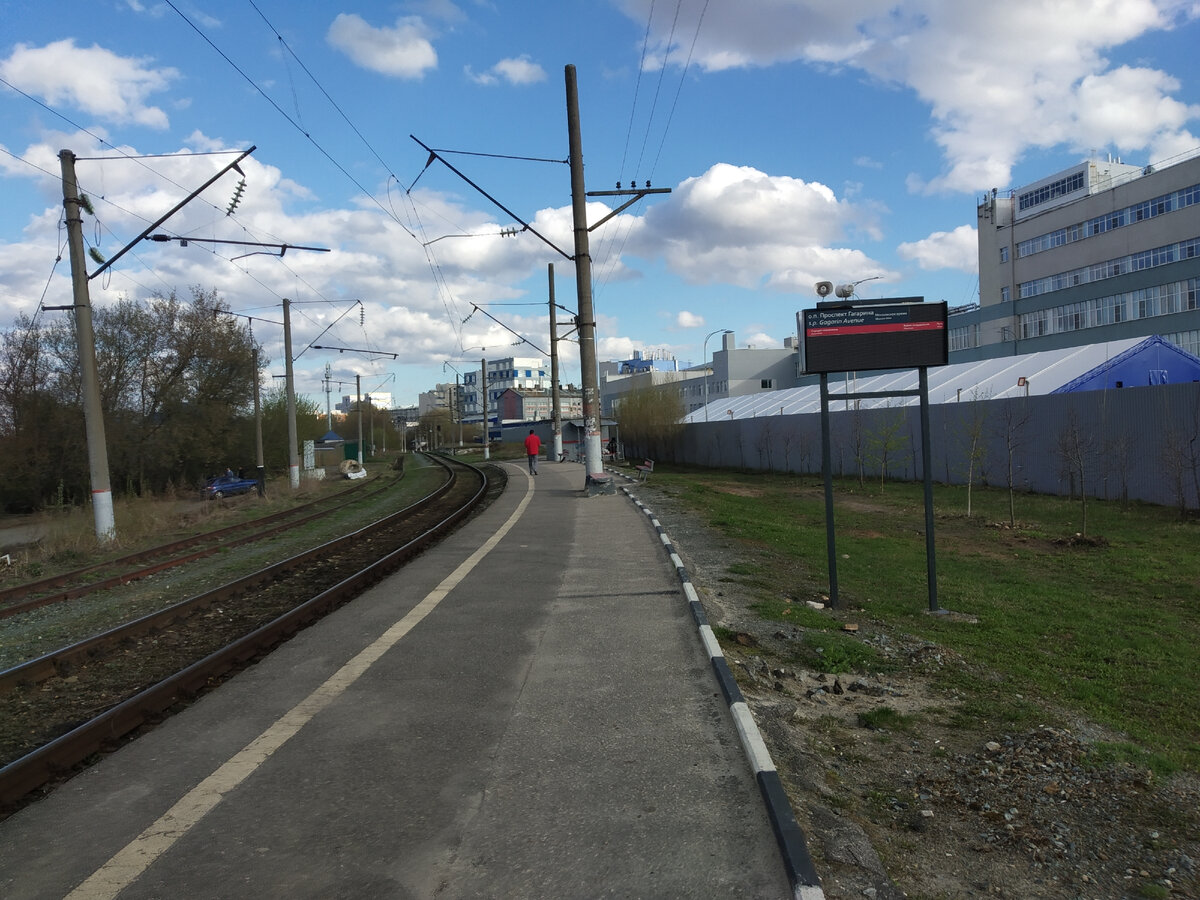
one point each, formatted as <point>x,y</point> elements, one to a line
<point>290,120</point>
<point>682,78</point>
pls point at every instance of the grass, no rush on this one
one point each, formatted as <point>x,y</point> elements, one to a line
<point>1105,627</point>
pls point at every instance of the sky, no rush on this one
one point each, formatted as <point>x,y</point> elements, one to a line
<point>801,141</point>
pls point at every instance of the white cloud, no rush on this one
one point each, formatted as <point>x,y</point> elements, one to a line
<point>957,249</point>
<point>999,79</point>
<point>92,79</point>
<point>518,71</point>
<point>760,340</point>
<point>737,225</point>
<point>685,319</point>
<point>404,51</point>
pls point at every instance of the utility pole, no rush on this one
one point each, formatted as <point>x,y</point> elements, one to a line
<point>456,405</point>
<point>589,375</point>
<point>358,395</point>
<point>328,403</point>
<point>487,453</point>
<point>555,391</point>
<point>93,417</point>
<point>258,441</point>
<point>293,451</point>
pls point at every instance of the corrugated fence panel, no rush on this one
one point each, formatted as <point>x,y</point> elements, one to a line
<point>1139,443</point>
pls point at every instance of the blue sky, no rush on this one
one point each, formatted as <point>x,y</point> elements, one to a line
<point>803,140</point>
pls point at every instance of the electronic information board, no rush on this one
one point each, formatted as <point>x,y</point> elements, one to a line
<point>903,333</point>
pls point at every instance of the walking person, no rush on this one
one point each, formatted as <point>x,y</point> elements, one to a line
<point>533,446</point>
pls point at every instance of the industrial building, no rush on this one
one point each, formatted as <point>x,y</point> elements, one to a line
<point>511,372</point>
<point>732,372</point>
<point>1102,251</point>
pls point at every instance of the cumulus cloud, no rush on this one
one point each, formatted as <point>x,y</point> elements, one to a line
<point>737,225</point>
<point>520,70</point>
<point>957,249</point>
<point>403,51</point>
<point>999,79</point>
<point>99,82</point>
<point>685,319</point>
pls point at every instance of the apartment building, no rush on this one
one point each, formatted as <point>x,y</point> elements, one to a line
<point>509,373</point>
<point>1099,252</point>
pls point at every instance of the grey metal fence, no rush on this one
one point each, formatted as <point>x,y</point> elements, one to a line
<point>1139,443</point>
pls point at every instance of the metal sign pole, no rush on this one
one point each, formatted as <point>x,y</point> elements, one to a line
<point>927,465</point>
<point>827,471</point>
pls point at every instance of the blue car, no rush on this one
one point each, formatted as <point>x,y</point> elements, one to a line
<point>228,485</point>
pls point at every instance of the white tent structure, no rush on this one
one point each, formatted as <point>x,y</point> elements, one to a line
<point>1030,374</point>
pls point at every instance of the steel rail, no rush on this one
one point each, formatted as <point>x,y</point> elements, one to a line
<point>76,575</point>
<point>61,755</point>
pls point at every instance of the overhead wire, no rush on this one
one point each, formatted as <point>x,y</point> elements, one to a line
<point>283,113</point>
<point>119,154</point>
<point>605,261</point>
<point>682,78</point>
<point>417,231</point>
<point>607,272</point>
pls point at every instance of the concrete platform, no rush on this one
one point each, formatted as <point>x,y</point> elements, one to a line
<point>525,711</point>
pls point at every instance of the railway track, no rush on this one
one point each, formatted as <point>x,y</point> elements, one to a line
<point>81,699</point>
<point>85,580</point>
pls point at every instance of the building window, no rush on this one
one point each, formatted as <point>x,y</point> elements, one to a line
<point>1051,191</point>
<point>1003,254</point>
<point>767,384</point>
<point>1147,259</point>
<point>1130,215</point>
<point>1005,294</point>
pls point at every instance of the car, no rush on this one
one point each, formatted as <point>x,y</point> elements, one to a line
<point>227,486</point>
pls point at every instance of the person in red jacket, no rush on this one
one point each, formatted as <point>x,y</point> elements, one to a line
<point>532,447</point>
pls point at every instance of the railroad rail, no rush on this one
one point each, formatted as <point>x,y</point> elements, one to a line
<point>79,582</point>
<point>137,672</point>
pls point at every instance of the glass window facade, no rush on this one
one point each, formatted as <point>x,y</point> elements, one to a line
<point>1135,262</point>
<point>1130,215</point>
<point>1146,303</point>
<point>1051,191</point>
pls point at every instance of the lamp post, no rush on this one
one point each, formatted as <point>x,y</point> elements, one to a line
<point>706,337</point>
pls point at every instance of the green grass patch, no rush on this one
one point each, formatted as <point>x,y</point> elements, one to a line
<point>1103,625</point>
<point>885,718</point>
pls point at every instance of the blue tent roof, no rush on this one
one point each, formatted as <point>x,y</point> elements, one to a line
<point>1152,361</point>
<point>331,437</point>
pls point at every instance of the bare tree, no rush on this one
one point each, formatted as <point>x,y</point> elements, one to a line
<point>1014,416</point>
<point>886,440</point>
<point>649,419</point>
<point>974,432</point>
<point>1075,450</point>
<point>764,445</point>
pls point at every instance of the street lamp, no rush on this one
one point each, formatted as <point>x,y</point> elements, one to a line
<point>706,337</point>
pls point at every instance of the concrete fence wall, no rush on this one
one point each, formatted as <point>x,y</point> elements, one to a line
<point>1138,443</point>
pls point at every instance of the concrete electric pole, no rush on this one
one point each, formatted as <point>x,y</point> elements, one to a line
<point>85,336</point>
<point>589,375</point>
<point>293,450</point>
<point>555,390</point>
<point>483,398</point>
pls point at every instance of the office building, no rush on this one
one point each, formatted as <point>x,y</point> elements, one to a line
<point>1102,251</point>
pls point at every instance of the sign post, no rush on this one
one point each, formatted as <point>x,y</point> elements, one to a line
<point>856,336</point>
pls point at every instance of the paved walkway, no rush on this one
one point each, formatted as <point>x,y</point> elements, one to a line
<point>525,711</point>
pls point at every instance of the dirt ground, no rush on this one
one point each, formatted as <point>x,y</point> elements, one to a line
<point>912,802</point>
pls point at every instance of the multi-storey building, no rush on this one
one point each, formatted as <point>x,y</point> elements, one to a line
<point>443,396</point>
<point>502,374</point>
<point>536,404</point>
<point>1102,251</point>
<point>732,372</point>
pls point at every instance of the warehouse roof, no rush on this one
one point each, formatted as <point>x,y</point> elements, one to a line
<point>1134,361</point>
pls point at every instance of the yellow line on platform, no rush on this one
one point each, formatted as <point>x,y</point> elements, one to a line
<point>137,856</point>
